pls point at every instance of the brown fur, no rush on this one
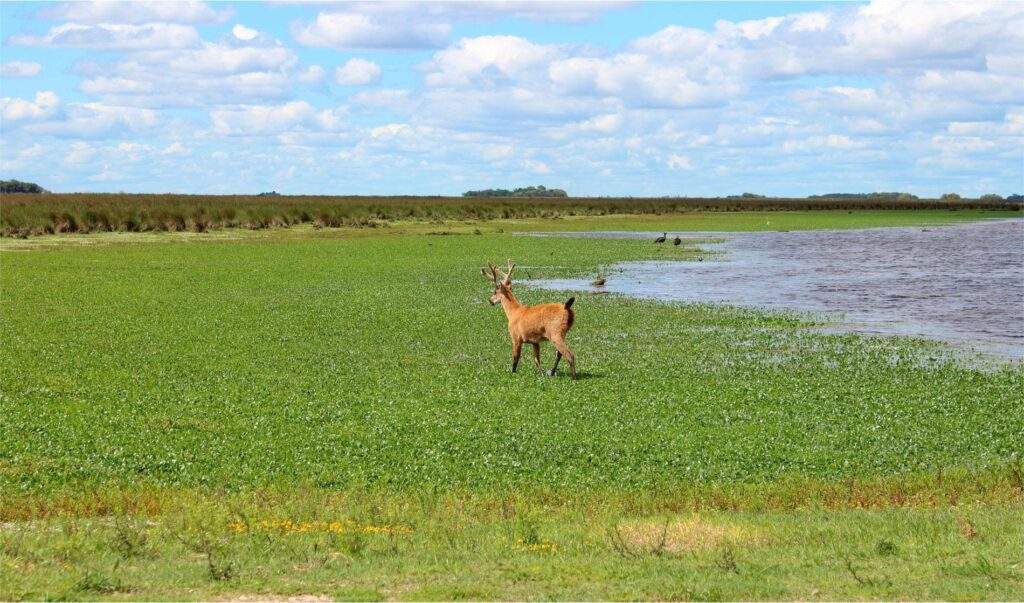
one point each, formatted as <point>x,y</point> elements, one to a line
<point>532,324</point>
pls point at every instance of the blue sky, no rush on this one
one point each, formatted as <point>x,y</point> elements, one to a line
<point>610,98</point>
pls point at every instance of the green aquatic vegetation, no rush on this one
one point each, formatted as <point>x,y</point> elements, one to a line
<point>335,361</point>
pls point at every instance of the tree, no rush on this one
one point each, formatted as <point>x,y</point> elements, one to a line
<point>530,191</point>
<point>17,186</point>
<point>991,197</point>
<point>951,197</point>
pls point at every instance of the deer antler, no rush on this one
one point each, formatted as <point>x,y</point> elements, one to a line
<point>493,276</point>
<point>508,275</point>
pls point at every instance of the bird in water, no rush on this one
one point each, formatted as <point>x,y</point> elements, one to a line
<point>677,241</point>
<point>599,281</point>
<point>661,239</point>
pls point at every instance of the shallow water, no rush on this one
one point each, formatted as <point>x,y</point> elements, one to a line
<point>963,284</point>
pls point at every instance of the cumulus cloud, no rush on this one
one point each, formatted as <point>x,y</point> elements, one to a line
<point>311,74</point>
<point>19,69</point>
<point>357,72</point>
<point>497,152</point>
<point>536,166</point>
<point>210,73</point>
<point>176,149</point>
<point>411,25</point>
<point>96,120</point>
<point>348,30</point>
<point>491,57</point>
<point>274,119</point>
<point>80,152</point>
<point>394,99</point>
<point>114,36</point>
<point>135,12</point>
<point>679,162</point>
<point>43,106</point>
<point>244,33</point>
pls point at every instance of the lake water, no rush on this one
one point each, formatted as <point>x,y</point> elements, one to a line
<point>963,284</point>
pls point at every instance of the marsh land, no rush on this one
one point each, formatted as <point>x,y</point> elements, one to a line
<point>330,412</point>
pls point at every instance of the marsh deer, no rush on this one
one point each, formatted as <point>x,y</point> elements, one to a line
<point>532,324</point>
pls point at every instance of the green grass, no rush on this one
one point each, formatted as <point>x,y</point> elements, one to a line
<point>321,362</point>
<point>456,548</point>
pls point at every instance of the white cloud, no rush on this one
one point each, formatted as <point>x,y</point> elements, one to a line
<point>344,31</point>
<point>244,33</point>
<point>214,73</point>
<point>395,99</point>
<point>80,152</point>
<point>95,120</point>
<point>114,36</point>
<point>497,152</point>
<point>536,166</point>
<point>814,143</point>
<point>674,41</point>
<point>411,25</point>
<point>551,11</point>
<point>132,151</point>
<point>135,12</point>
<point>391,131</point>
<point>357,72</point>
<point>274,119</point>
<point>176,149</point>
<point>679,162</point>
<point>639,81</point>
<point>486,57</point>
<point>23,157</point>
<point>973,84</point>
<point>311,75</point>
<point>18,109</point>
<point>20,69</point>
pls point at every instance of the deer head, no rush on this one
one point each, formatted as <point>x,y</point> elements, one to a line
<point>502,281</point>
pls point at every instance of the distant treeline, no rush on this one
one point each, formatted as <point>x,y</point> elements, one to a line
<point>23,214</point>
<point>529,191</point>
<point>901,196</point>
<point>17,186</point>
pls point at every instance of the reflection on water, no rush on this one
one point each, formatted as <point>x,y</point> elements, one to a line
<point>963,284</point>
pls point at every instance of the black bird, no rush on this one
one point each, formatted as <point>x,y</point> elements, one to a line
<point>677,241</point>
<point>661,239</point>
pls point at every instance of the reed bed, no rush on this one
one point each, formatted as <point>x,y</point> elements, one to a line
<point>24,215</point>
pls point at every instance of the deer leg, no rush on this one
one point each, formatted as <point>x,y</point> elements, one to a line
<point>558,356</point>
<point>565,351</point>
<point>517,349</point>
<point>536,354</point>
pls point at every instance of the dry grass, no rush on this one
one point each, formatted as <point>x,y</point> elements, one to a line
<point>23,215</point>
<point>677,536</point>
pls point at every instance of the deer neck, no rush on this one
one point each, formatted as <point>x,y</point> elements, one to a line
<point>509,303</point>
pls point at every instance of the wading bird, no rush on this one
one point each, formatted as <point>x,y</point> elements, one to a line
<point>677,241</point>
<point>661,239</point>
<point>599,281</point>
<point>532,324</point>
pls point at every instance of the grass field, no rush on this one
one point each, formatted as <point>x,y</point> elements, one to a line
<point>331,413</point>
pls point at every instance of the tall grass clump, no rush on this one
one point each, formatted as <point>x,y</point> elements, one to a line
<point>23,215</point>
